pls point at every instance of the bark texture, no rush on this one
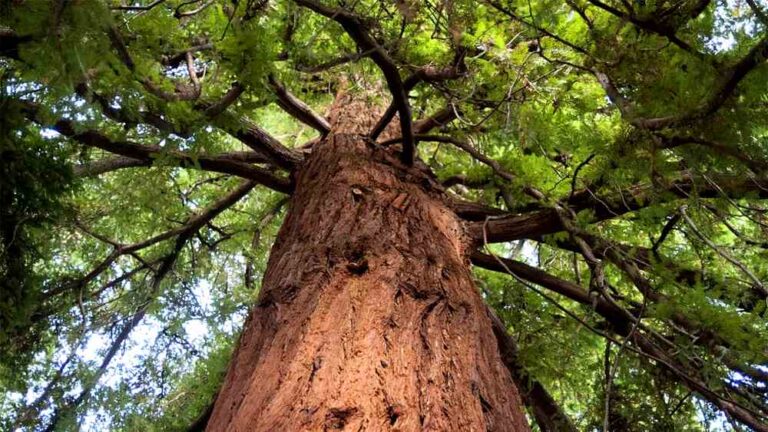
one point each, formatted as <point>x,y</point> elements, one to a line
<point>368,318</point>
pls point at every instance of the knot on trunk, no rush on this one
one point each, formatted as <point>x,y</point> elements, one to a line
<point>337,418</point>
<point>357,263</point>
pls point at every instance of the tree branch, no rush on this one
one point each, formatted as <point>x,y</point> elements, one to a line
<point>652,24</point>
<point>250,134</point>
<point>732,77</point>
<point>93,169</point>
<point>354,27</point>
<point>149,154</point>
<point>138,8</point>
<point>436,120</point>
<point>192,225</point>
<point>622,326</point>
<point>426,74</point>
<point>633,198</point>
<point>548,414</point>
<point>298,109</point>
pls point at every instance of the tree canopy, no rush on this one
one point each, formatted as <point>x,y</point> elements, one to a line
<point>608,156</point>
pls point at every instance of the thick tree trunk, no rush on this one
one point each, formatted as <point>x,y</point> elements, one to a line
<point>368,318</point>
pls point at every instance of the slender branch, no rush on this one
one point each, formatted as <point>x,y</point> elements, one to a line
<point>128,117</point>
<point>32,410</point>
<point>759,13</point>
<point>88,387</point>
<point>630,260</point>
<point>138,8</point>
<point>732,77</point>
<point>181,14</point>
<point>255,239</point>
<point>175,59</point>
<point>611,371</point>
<point>192,72</point>
<point>651,24</point>
<point>720,251</point>
<point>192,225</point>
<point>541,30</point>
<point>669,142</point>
<point>240,127</point>
<point>469,148</point>
<point>181,93</point>
<point>134,321</point>
<point>424,74</point>
<point>625,107</point>
<point>346,58</point>
<point>665,232</point>
<point>565,288</point>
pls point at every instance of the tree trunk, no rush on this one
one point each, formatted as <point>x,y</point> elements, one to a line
<point>368,318</point>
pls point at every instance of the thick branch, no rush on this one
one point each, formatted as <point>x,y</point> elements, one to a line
<point>146,153</point>
<point>250,134</point>
<point>213,109</point>
<point>95,168</point>
<point>436,120</point>
<point>240,127</point>
<point>102,166</point>
<point>298,109</point>
<point>636,197</point>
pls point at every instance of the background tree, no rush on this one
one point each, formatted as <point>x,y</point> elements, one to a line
<point>607,159</point>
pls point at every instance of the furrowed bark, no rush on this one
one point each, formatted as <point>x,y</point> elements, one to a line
<point>367,318</point>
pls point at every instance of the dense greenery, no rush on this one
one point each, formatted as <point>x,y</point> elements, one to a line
<point>641,126</point>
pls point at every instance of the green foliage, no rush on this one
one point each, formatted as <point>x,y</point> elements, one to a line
<point>35,180</point>
<point>529,98</point>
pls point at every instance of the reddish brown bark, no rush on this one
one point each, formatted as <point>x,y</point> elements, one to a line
<point>368,318</point>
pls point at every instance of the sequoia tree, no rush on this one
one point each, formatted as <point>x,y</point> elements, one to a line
<point>492,215</point>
